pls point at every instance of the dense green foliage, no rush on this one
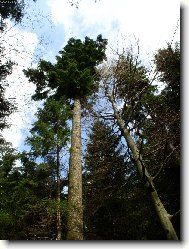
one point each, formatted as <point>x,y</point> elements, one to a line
<point>74,74</point>
<point>26,209</point>
<point>116,207</point>
<point>51,129</point>
<point>49,136</point>
<point>29,192</point>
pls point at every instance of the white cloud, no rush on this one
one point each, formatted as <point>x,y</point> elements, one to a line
<point>153,22</point>
<point>20,47</point>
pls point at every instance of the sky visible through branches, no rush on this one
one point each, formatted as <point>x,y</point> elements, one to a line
<point>48,24</point>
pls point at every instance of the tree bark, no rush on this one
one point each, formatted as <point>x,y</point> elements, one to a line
<point>159,207</point>
<point>75,209</point>
<point>58,221</point>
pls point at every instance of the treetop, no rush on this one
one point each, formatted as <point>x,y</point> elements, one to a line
<point>74,74</point>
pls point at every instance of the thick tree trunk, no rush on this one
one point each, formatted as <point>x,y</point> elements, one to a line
<point>58,212</point>
<point>164,217</point>
<point>75,213</point>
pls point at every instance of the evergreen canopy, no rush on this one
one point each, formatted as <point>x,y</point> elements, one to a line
<point>51,129</point>
<point>74,74</point>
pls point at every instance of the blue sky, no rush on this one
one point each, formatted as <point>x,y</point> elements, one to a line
<point>152,22</point>
<point>50,23</point>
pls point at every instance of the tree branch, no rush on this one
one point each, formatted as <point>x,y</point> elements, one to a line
<point>162,165</point>
<point>171,216</point>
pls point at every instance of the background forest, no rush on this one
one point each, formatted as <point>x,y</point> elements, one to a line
<point>102,159</point>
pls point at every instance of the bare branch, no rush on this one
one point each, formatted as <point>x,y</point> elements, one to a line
<point>161,167</point>
<point>171,216</point>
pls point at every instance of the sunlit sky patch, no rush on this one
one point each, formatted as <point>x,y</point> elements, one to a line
<point>122,22</point>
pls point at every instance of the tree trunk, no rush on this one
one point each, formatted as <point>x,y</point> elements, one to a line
<point>164,217</point>
<point>75,209</point>
<point>58,212</point>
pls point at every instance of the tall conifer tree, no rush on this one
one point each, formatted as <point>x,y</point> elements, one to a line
<point>74,76</point>
<point>49,135</point>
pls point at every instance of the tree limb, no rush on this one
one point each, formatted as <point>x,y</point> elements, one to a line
<point>162,165</point>
<point>171,216</point>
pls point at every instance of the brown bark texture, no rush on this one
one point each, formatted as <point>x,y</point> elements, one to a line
<point>58,225</point>
<point>75,209</point>
<point>159,207</point>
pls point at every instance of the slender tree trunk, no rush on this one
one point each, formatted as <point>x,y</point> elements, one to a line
<point>75,213</point>
<point>58,212</point>
<point>164,217</point>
